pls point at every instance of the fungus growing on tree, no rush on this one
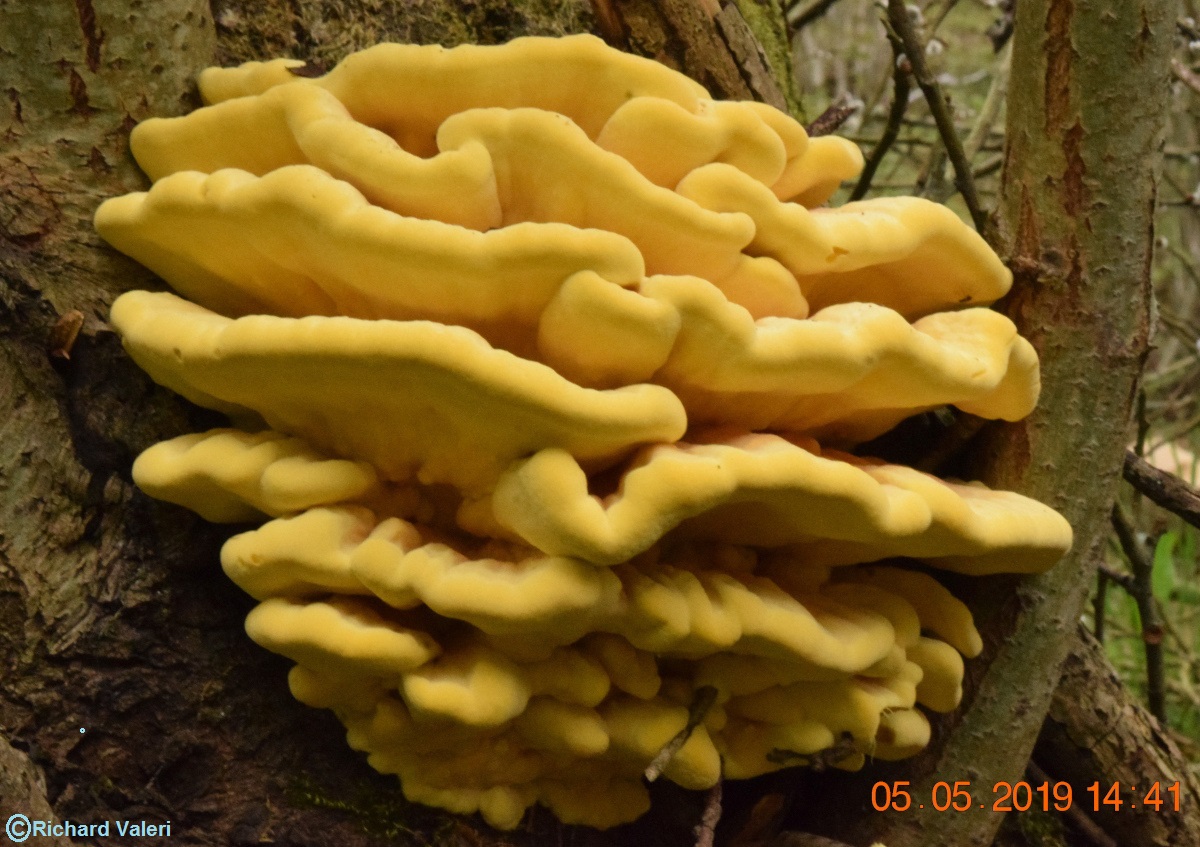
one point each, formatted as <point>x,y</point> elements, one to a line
<point>545,380</point>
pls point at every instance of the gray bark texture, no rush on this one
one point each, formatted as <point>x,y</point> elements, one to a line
<point>1094,734</point>
<point>129,690</point>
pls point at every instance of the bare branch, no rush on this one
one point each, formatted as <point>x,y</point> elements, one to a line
<point>915,50</point>
<point>1100,606</point>
<point>828,121</point>
<point>702,701</point>
<point>799,18</point>
<point>1185,74</point>
<point>1142,592</point>
<point>1165,489</point>
<point>900,88</point>
<point>706,830</point>
<point>1117,577</point>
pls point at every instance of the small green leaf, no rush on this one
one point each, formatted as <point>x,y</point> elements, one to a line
<point>1186,551</point>
<point>1189,595</point>
<point>1162,577</point>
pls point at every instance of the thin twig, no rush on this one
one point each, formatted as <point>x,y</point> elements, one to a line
<point>1185,74</point>
<point>990,111</point>
<point>798,18</point>
<point>1143,595</point>
<point>940,13</point>
<point>702,701</point>
<point>915,50</point>
<point>931,179</point>
<point>1178,431</point>
<point>901,85</point>
<point>1117,577</point>
<point>1165,489</point>
<point>1143,425</point>
<point>989,167</point>
<point>706,830</point>
<point>828,121</point>
<point>1100,606</point>
<point>820,761</point>
<point>1187,331</point>
<point>1084,825</point>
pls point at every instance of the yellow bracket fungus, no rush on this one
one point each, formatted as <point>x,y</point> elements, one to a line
<point>228,476</point>
<point>540,362</point>
<point>466,410</point>
<point>765,490</point>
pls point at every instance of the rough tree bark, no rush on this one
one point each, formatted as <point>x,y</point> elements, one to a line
<point>114,618</point>
<point>1094,734</point>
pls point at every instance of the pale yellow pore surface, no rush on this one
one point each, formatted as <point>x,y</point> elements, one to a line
<point>940,611</point>
<point>902,733</point>
<point>941,685</point>
<point>764,490</point>
<point>298,242</point>
<point>477,730</point>
<point>784,725</point>
<point>500,771</point>
<point>1000,532</point>
<point>348,387</point>
<point>342,636</point>
<point>433,83</point>
<point>815,166</point>
<point>219,84</point>
<point>300,123</point>
<point>846,374</point>
<point>304,556</point>
<point>529,606</point>
<point>487,673</point>
<point>227,475</point>
<point>906,253</point>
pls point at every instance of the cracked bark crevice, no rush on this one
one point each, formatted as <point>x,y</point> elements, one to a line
<point>1097,733</point>
<point>750,57</point>
<point>23,790</point>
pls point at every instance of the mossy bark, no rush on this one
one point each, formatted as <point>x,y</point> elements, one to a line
<point>766,20</point>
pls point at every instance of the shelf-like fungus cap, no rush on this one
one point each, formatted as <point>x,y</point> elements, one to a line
<point>348,385</point>
<point>768,491</point>
<point>434,82</point>
<point>537,358</point>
